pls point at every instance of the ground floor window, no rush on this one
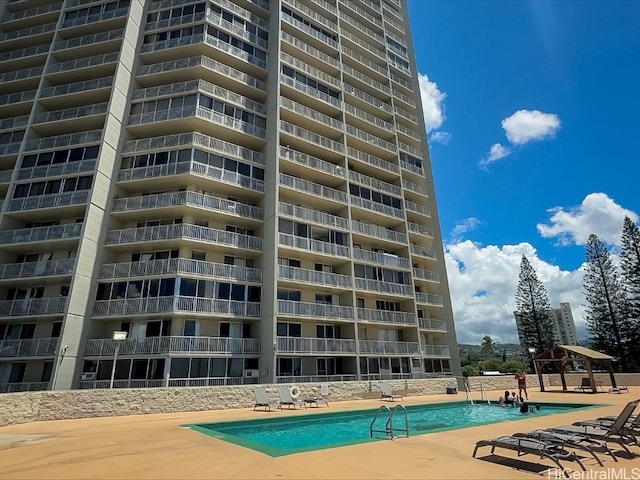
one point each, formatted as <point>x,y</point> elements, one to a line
<point>289,367</point>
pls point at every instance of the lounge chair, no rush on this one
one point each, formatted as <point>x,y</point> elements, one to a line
<point>530,446</point>
<point>572,440</point>
<point>287,400</point>
<point>619,389</point>
<point>387,392</point>
<point>262,400</point>
<point>585,386</point>
<point>617,431</point>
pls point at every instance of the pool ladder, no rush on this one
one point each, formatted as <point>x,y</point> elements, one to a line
<point>389,428</point>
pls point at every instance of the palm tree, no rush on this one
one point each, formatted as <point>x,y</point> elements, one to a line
<point>488,346</point>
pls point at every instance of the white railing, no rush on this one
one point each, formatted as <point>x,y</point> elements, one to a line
<point>310,91</point>
<point>304,275</point>
<point>59,141</point>
<point>48,201</point>
<point>426,275</point>
<point>63,266</point>
<point>150,305</point>
<point>180,266</point>
<point>183,230</point>
<point>314,52</point>
<point>423,252</point>
<point>24,53</point>
<point>312,162</point>
<point>33,306</point>
<point>383,287</point>
<point>381,258</point>
<point>175,344</point>
<point>317,310</point>
<point>441,351</point>
<point>378,232</point>
<point>171,382</point>
<point>388,348</point>
<point>310,113</point>
<point>386,316</point>
<point>313,216</point>
<point>88,39</point>
<point>54,170</point>
<point>70,113</point>
<point>196,199</point>
<point>99,17</point>
<point>420,229</point>
<point>377,207</point>
<point>315,189</point>
<point>23,387</point>
<point>374,183</point>
<point>417,208</point>
<point>312,245</point>
<point>310,345</point>
<point>429,299</point>
<point>36,234</point>
<point>373,161</point>
<point>432,324</point>
<point>32,347</point>
<point>86,62</point>
<point>316,378</point>
<point>33,12</point>
<point>410,167</point>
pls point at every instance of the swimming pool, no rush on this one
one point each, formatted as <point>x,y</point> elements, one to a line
<point>300,433</point>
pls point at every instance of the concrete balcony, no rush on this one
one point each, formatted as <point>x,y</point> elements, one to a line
<point>317,378</point>
<point>423,252</point>
<point>57,170</point>
<point>99,17</point>
<point>175,304</point>
<point>385,316</point>
<point>378,165</point>
<point>88,41</point>
<point>313,277</point>
<point>381,259</point>
<point>313,54</point>
<point>105,347</point>
<point>368,99</point>
<point>59,141</point>
<point>314,93</point>
<point>311,71</point>
<point>316,346</point>
<point>32,347</point>
<point>420,229</point>
<point>375,184</point>
<point>95,62</point>
<point>49,201</point>
<point>416,208</point>
<point>429,299</point>
<point>23,387</point>
<point>50,268</point>
<point>33,306</point>
<point>41,234</point>
<point>436,351</point>
<point>409,167</point>
<point>78,113</point>
<point>183,231</point>
<point>376,207</point>
<point>375,347</point>
<point>180,266</point>
<point>289,308</point>
<point>378,232</point>
<point>313,216</point>
<point>428,275</point>
<point>383,287</point>
<point>311,245</point>
<point>24,53</point>
<point>432,325</point>
<point>188,198</point>
<point>314,189</point>
<point>314,163</point>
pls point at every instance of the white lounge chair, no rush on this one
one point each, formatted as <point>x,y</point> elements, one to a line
<point>287,400</point>
<point>386,392</point>
<point>262,399</point>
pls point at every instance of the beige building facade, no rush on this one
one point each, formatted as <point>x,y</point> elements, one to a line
<point>242,186</point>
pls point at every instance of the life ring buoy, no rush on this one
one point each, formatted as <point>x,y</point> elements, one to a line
<point>294,391</point>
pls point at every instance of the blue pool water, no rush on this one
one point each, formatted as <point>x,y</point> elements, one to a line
<point>298,433</point>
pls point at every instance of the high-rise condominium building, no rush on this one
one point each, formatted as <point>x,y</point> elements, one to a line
<point>564,328</point>
<point>242,186</point>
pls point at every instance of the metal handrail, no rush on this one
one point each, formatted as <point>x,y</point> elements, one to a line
<point>389,429</point>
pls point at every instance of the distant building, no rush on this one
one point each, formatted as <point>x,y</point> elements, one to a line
<point>565,327</point>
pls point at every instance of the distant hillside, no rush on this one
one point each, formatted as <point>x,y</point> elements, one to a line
<point>513,350</point>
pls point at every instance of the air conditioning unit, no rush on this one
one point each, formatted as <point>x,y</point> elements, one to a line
<point>252,373</point>
<point>88,376</point>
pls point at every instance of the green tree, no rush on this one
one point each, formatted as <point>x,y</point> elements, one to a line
<point>488,347</point>
<point>630,267</point>
<point>536,327</point>
<point>606,312</point>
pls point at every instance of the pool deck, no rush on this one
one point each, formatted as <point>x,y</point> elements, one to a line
<point>158,447</point>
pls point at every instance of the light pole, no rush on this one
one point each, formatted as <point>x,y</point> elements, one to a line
<point>118,338</point>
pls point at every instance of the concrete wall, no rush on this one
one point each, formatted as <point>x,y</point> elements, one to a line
<point>57,405</point>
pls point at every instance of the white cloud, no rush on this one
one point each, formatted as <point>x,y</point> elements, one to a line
<point>440,137</point>
<point>464,226</point>
<point>496,152</point>
<point>432,102</point>
<point>525,126</point>
<point>483,282</point>
<point>597,214</point>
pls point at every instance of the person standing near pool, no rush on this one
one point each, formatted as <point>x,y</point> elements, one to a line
<point>522,384</point>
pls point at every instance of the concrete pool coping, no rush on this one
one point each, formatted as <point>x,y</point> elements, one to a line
<point>156,446</point>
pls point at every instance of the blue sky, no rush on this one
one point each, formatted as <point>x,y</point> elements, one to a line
<point>533,112</point>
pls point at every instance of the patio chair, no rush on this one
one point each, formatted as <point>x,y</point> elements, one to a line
<point>585,386</point>
<point>619,389</point>
<point>262,399</point>
<point>286,399</point>
<point>386,392</point>
<point>530,446</point>
<point>572,440</point>
<point>617,431</point>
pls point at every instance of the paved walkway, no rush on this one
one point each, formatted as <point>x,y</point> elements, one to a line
<point>157,447</point>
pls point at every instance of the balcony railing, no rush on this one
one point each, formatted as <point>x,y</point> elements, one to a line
<point>70,113</point>
<point>33,306</point>
<point>441,351</point>
<point>180,266</point>
<point>63,266</point>
<point>313,216</point>
<point>388,348</point>
<point>311,137</point>
<point>415,188</point>
<point>59,141</point>
<point>312,245</point>
<point>312,162</point>
<point>378,232</point>
<point>186,231</point>
<point>190,198</point>
<point>373,161</point>
<point>412,168</point>
<point>316,378</point>
<point>420,229</point>
<point>315,310</point>
<point>432,324</point>
<point>152,305</point>
<point>386,316</point>
<point>429,299</point>
<point>69,89</point>
<point>423,252</point>
<point>377,207</point>
<point>23,387</point>
<point>381,258</point>
<point>32,347</point>
<point>99,17</point>
<point>105,347</point>
<point>170,382</point>
<point>49,201</point>
<point>314,52</point>
<point>58,169</point>
<point>39,234</point>
<point>194,168</point>
<point>416,208</point>
<point>86,62</point>
<point>317,346</point>
<point>303,275</point>
<point>315,189</point>
<point>383,287</point>
<point>426,275</point>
